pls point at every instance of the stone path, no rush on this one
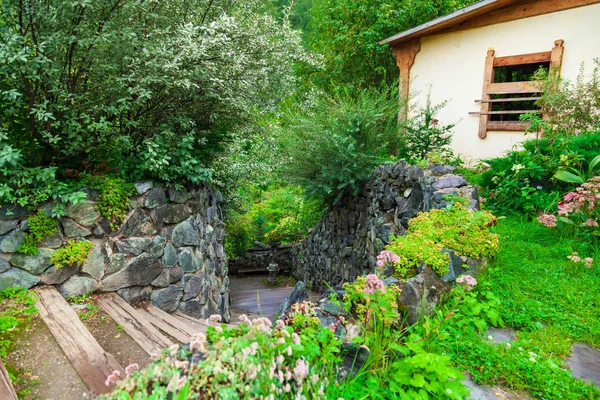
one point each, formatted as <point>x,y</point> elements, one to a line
<point>584,363</point>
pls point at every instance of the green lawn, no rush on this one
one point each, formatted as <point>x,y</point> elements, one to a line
<point>551,302</point>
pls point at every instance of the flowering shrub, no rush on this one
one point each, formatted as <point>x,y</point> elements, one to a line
<point>255,360</point>
<point>581,207</point>
<point>588,261</point>
<point>369,299</point>
<point>467,233</point>
<point>468,280</point>
<point>287,231</point>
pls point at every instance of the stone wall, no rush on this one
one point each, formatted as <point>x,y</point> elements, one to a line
<point>258,258</point>
<point>169,250</point>
<point>351,234</point>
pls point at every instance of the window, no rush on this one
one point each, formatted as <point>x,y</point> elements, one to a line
<point>509,89</point>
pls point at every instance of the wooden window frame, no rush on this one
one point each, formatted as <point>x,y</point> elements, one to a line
<point>554,57</point>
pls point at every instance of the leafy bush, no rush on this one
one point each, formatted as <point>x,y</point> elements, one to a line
<point>40,228</point>
<point>333,143</point>
<point>423,135</point>
<point>287,231</point>
<point>149,89</point>
<point>568,108</point>
<point>522,181</point>
<point>239,235</point>
<point>73,253</point>
<point>455,227</point>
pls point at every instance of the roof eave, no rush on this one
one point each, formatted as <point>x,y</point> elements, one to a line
<point>440,23</point>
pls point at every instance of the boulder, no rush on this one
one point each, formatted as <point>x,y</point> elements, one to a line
<point>10,242</point>
<point>193,287</point>
<point>167,299</point>
<point>78,286</point>
<point>17,277</point>
<point>353,358</point>
<point>139,224</point>
<point>454,266</point>
<point>53,242</point>
<point>73,229</point>
<point>7,225</point>
<point>185,234</point>
<point>94,265</point>
<point>85,213</point>
<point>134,245</point>
<point>169,257</point>
<point>143,187</point>
<point>56,276</point>
<point>33,264</point>
<point>168,276</point>
<point>175,213</point>
<point>450,181</point>
<point>422,293</point>
<point>140,271</point>
<point>156,197</point>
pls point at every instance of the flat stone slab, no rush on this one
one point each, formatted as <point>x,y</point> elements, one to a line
<point>585,363</point>
<point>500,335</point>
<point>484,392</point>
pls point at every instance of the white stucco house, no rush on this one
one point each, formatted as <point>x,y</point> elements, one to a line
<point>481,58</point>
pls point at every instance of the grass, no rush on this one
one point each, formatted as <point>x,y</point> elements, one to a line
<point>550,301</point>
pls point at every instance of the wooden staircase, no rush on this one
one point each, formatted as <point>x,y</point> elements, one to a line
<point>149,326</point>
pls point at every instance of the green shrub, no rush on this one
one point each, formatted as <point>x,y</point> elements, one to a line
<point>73,253</point>
<point>113,200</point>
<point>239,235</point>
<point>332,143</point>
<point>287,231</point>
<point>455,227</point>
<point>40,228</point>
<point>522,181</point>
<point>17,305</point>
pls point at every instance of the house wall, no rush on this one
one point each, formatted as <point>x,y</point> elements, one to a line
<point>451,66</point>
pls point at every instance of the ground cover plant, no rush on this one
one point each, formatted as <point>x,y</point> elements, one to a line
<point>546,297</point>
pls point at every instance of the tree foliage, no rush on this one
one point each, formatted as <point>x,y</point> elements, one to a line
<point>150,88</point>
<point>347,32</point>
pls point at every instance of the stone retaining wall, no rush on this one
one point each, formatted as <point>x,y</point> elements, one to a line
<point>169,250</point>
<point>351,234</point>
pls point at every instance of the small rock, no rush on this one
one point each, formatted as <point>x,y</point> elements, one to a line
<point>7,225</point>
<point>193,287</point>
<point>454,266</point>
<point>56,276</point>
<point>440,169</point>
<point>422,293</point>
<point>135,294</point>
<point>4,265</point>
<point>134,245</point>
<point>585,363</point>
<point>94,265</point>
<point>500,335</point>
<point>140,271</point>
<point>157,246</point>
<point>13,211</point>
<point>178,196</point>
<point>332,308</point>
<point>139,224</point>
<point>53,242</point>
<point>85,213</point>
<point>450,181</point>
<point>354,356</point>
<point>298,295</point>
<point>168,276</point>
<point>116,263</point>
<point>169,257</point>
<point>175,213</point>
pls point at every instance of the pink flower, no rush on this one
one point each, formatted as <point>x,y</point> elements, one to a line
<point>373,284</point>
<point>468,280</point>
<point>131,368</point>
<point>386,256</point>
<point>570,196</point>
<point>588,262</point>
<point>548,220</point>
<point>301,370</point>
<point>112,378</point>
<point>574,257</point>
<point>591,222</point>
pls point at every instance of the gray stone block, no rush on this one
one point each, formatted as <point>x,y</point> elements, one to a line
<point>17,277</point>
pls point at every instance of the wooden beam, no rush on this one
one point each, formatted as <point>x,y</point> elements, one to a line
<point>134,324</point>
<point>556,57</point>
<point>488,78</point>
<point>506,112</point>
<point>90,361</point>
<point>507,126</point>
<point>513,87</point>
<point>533,58</point>
<point>7,390</point>
<point>405,58</point>
<point>170,325</point>
<point>508,100</point>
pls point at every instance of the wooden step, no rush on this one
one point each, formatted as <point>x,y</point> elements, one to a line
<point>88,358</point>
<point>180,330</point>
<point>7,391</point>
<point>198,323</point>
<point>134,324</point>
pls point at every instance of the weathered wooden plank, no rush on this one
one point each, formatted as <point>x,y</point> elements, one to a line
<point>90,361</point>
<point>177,329</point>
<point>488,78</point>
<point>532,58</point>
<point>197,323</point>
<point>507,126</point>
<point>513,87</point>
<point>134,324</point>
<point>504,112</point>
<point>7,391</point>
<point>508,100</point>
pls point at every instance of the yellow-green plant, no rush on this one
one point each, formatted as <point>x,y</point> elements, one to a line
<point>75,252</point>
<point>40,227</point>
